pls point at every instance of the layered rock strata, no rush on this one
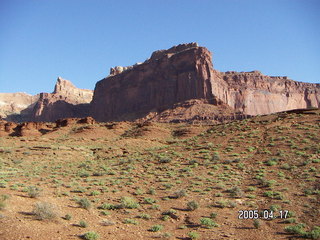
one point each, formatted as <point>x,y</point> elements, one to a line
<point>185,72</point>
<point>66,101</point>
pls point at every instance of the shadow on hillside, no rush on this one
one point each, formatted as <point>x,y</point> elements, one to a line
<point>50,112</point>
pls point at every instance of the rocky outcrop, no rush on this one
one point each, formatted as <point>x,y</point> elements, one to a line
<point>17,106</point>
<point>66,101</point>
<point>168,77</point>
<point>185,72</point>
<point>254,93</point>
<point>174,85</point>
<point>24,129</point>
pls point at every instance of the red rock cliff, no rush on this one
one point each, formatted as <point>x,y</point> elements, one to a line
<point>168,77</point>
<point>65,101</point>
<point>186,72</point>
<point>254,93</point>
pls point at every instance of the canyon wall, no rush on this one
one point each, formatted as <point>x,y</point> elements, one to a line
<point>254,93</point>
<point>186,72</point>
<point>66,101</point>
<point>168,77</point>
<point>17,106</point>
<point>176,84</point>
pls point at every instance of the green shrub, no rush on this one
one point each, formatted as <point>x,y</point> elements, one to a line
<point>165,160</point>
<point>213,215</point>
<point>151,191</point>
<point>314,233</point>
<point>3,198</point>
<point>33,191</point>
<point>67,217</point>
<point>256,223</point>
<point>144,216</point>
<point>296,229</point>
<point>83,224</point>
<point>273,195</point>
<point>107,206</point>
<point>221,203</point>
<point>128,202</point>
<point>44,211</point>
<point>84,203</point>
<point>251,189</point>
<point>208,222</point>
<point>179,194</point>
<point>290,220</point>
<point>2,205</point>
<point>235,192</point>
<point>271,162</point>
<point>166,235</point>
<point>83,173</point>
<point>91,236</point>
<point>286,166</point>
<point>149,200</point>
<point>192,205</point>
<point>95,193</point>
<point>165,218</point>
<point>274,207</point>
<point>156,228</point>
<point>193,235</point>
<point>130,221</point>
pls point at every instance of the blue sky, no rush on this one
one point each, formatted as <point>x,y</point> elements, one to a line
<point>80,39</point>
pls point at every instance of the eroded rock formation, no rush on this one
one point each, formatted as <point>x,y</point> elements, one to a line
<point>17,106</point>
<point>166,78</point>
<point>177,84</point>
<point>66,101</point>
<point>185,72</point>
<point>254,93</point>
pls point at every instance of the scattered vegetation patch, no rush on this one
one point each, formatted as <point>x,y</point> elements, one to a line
<point>44,211</point>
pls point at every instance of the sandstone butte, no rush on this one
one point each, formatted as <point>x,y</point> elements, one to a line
<point>66,101</point>
<point>173,85</point>
<point>184,73</point>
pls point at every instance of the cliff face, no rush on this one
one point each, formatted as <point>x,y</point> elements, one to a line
<point>177,84</point>
<point>65,101</point>
<point>168,77</point>
<point>254,93</point>
<point>186,72</point>
<point>17,106</point>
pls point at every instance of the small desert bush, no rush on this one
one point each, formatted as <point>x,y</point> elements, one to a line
<point>67,217</point>
<point>193,235</point>
<point>236,192</point>
<point>179,194</point>
<point>108,206</point>
<point>90,236</point>
<point>273,195</point>
<point>192,205</point>
<point>314,233</point>
<point>208,222</point>
<point>83,224</point>
<point>156,228</point>
<point>44,211</point>
<point>165,160</point>
<point>128,202</point>
<point>299,230</point>
<point>296,229</point>
<point>33,191</point>
<point>2,205</point>
<point>149,200</point>
<point>130,221</point>
<point>213,215</point>
<point>3,198</point>
<point>144,216</point>
<point>84,203</point>
<point>256,223</point>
